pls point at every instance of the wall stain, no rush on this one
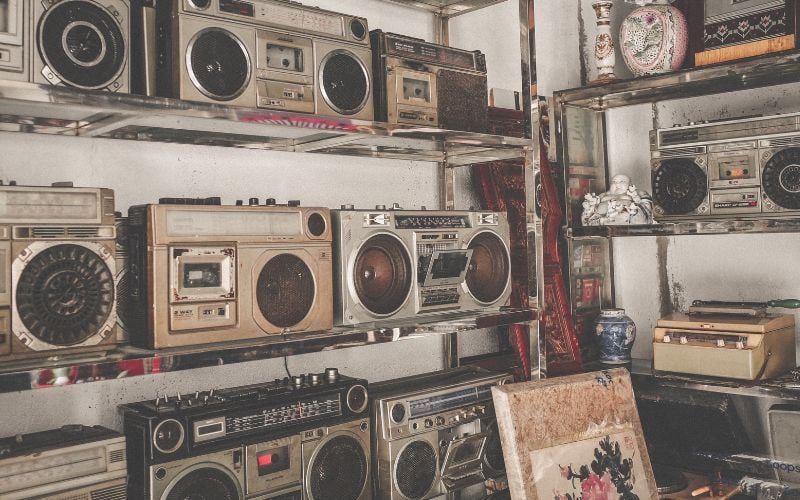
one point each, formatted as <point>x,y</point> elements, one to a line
<point>678,298</point>
<point>583,55</point>
<point>662,252</point>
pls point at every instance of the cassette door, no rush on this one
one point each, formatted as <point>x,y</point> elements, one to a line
<point>14,39</point>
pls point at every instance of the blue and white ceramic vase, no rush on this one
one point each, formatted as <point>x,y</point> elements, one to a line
<point>616,333</point>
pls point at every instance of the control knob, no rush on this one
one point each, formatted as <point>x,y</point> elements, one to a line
<point>239,203</point>
<point>270,202</point>
<point>253,202</point>
<point>396,206</point>
<point>293,203</point>
<point>380,207</point>
<point>297,380</point>
<point>348,206</point>
<point>331,374</point>
<point>315,378</point>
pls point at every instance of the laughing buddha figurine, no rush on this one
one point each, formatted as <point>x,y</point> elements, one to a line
<point>623,204</point>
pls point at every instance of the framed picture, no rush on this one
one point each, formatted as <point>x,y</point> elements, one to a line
<point>574,438</point>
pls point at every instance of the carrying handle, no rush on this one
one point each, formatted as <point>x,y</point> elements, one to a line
<point>785,303</point>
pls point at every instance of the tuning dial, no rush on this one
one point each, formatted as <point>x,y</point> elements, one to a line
<point>331,374</point>
<point>348,207</point>
<point>270,202</point>
<point>253,202</point>
<point>294,203</point>
<point>380,207</point>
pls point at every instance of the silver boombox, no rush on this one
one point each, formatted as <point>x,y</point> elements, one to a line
<point>400,263</point>
<point>262,53</point>
<point>57,292</point>
<point>73,462</point>
<point>734,168</point>
<point>78,43</point>
<point>206,274</point>
<point>435,434</point>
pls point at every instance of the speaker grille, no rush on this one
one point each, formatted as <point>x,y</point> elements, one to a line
<point>339,470</point>
<point>219,64</point>
<point>285,290</point>
<point>488,271</point>
<point>679,186</point>
<point>382,274</point>
<point>781,178</point>
<point>65,294</point>
<point>205,484</point>
<point>415,470</point>
<point>463,101</point>
<point>344,82</point>
<point>82,44</point>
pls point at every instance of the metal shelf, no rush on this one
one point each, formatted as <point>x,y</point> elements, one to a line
<point>126,362</point>
<point>750,73</point>
<point>63,111</point>
<point>447,8</point>
<point>730,226</point>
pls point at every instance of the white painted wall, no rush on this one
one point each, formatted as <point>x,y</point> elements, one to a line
<point>141,172</point>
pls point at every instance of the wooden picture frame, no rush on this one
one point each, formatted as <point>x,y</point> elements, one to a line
<point>574,437</point>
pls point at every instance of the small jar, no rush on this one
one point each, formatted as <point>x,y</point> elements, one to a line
<point>616,333</point>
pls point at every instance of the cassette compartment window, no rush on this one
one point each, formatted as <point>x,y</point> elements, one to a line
<point>285,57</point>
<point>416,89</point>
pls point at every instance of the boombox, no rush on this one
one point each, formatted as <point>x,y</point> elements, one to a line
<point>740,168</point>
<point>57,294</point>
<point>78,43</point>
<point>436,434</point>
<point>420,83</point>
<point>400,263</point>
<point>305,438</point>
<point>263,53</point>
<point>211,273</point>
<point>73,462</point>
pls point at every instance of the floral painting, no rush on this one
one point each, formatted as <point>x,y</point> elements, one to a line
<point>603,468</point>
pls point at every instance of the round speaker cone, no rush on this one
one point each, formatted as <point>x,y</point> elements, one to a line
<point>218,64</point>
<point>679,186</point>
<point>65,295</point>
<point>82,44</point>
<point>286,290</point>
<point>382,274</point>
<point>781,178</point>
<point>487,275</point>
<point>345,82</point>
<point>415,469</point>
<point>316,224</point>
<point>205,484</point>
<point>339,470</point>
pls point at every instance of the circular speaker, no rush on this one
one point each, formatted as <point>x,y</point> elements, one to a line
<point>488,272</point>
<point>285,290</point>
<point>338,470</point>
<point>316,224</point>
<point>205,483</point>
<point>357,399</point>
<point>679,186</point>
<point>398,412</point>
<point>344,82</point>
<point>493,455</point>
<point>168,436</point>
<point>358,29</point>
<point>82,44</point>
<point>382,274</point>
<point>218,64</point>
<point>65,295</point>
<point>415,469</point>
<point>781,178</point>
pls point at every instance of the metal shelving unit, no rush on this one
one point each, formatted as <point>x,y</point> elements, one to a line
<point>126,362</point>
<point>732,226</point>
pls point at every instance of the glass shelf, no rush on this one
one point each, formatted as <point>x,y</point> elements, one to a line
<point>127,362</point>
<point>749,73</point>
<point>447,8</point>
<point>63,111</point>
<point>731,226</point>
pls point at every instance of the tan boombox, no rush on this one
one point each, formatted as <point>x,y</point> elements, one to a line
<point>740,347</point>
<point>205,274</point>
<point>57,270</point>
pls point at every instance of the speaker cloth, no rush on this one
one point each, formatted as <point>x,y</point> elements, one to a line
<point>218,64</point>
<point>487,275</point>
<point>285,290</point>
<point>415,469</point>
<point>679,186</point>
<point>339,470</point>
<point>493,452</point>
<point>205,484</point>
<point>344,82</point>
<point>382,274</point>
<point>781,178</point>
<point>82,44</point>
<point>65,295</point>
